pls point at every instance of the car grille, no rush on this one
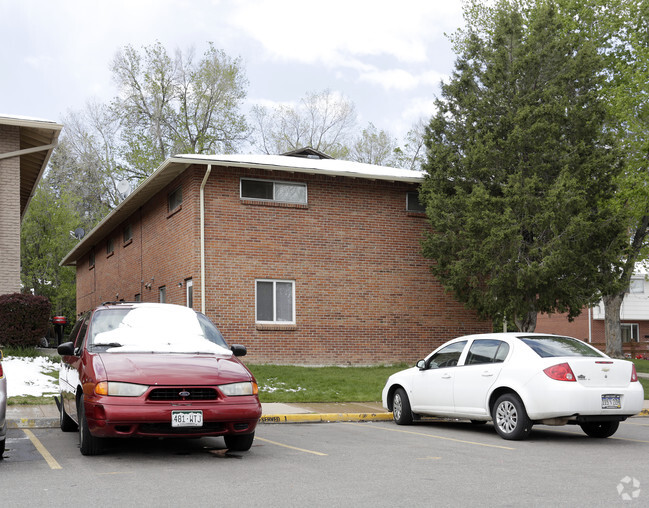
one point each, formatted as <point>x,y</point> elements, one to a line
<point>165,394</point>
<point>166,428</point>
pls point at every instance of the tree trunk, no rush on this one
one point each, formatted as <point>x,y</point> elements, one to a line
<point>612,328</point>
<point>526,322</point>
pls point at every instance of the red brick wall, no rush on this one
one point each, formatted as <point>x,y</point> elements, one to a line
<point>364,293</point>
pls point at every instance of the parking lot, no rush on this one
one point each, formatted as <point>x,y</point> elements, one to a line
<point>437,463</point>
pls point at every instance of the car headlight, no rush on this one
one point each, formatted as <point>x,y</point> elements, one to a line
<point>120,389</point>
<point>234,389</point>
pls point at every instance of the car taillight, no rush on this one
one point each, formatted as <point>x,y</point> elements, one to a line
<point>560,372</point>
<point>2,373</point>
<point>634,374</point>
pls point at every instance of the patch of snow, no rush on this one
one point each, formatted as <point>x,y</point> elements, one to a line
<point>26,376</point>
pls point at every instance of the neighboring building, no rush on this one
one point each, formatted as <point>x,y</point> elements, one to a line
<point>589,325</point>
<point>306,260</point>
<point>26,145</point>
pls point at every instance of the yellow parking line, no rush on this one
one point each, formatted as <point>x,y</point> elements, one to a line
<point>289,446</point>
<point>42,450</point>
<point>432,435</point>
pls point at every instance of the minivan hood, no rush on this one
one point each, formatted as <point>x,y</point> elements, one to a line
<point>173,369</point>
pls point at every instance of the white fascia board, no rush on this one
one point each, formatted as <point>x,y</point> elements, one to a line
<point>331,167</point>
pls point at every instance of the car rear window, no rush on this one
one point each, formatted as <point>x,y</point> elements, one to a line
<point>552,346</point>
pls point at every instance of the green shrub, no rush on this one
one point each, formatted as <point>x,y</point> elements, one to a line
<point>24,319</point>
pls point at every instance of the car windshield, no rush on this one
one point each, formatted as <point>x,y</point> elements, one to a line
<point>168,329</point>
<point>552,346</point>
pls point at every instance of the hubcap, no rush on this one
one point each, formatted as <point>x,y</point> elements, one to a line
<point>507,417</point>
<point>397,407</point>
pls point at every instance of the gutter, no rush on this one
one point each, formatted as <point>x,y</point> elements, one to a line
<point>202,206</point>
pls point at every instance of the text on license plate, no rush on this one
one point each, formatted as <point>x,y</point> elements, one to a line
<point>187,418</point>
<point>611,402</point>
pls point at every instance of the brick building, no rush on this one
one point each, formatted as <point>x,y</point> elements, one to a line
<point>26,145</point>
<point>305,260</point>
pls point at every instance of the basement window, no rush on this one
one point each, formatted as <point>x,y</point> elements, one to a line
<point>270,190</point>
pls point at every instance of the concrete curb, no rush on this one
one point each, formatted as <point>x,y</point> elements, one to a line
<point>33,423</point>
<point>326,417</point>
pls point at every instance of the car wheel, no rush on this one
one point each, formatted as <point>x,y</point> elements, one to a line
<point>239,442</point>
<point>66,423</point>
<point>510,418</point>
<point>600,429</point>
<point>88,444</point>
<point>401,412</point>
<point>2,449</point>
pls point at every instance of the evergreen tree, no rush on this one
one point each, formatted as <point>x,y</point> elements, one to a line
<point>521,166</point>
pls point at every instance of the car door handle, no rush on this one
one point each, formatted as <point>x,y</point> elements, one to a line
<point>486,373</point>
<point>446,376</point>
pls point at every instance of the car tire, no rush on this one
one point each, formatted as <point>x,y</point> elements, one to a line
<point>401,412</point>
<point>599,429</point>
<point>239,442</point>
<point>66,423</point>
<point>2,449</point>
<point>88,444</point>
<point>510,417</point>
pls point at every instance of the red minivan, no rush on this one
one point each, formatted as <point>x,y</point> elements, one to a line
<point>154,370</point>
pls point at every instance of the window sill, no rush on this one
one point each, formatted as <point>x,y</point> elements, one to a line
<point>416,214</point>
<point>175,211</point>
<point>275,326</point>
<point>110,254</point>
<point>128,242</point>
<point>276,204</point>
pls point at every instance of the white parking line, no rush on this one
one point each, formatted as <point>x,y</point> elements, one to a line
<point>289,446</point>
<point>431,436</point>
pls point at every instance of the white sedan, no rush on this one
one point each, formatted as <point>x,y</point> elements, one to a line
<point>518,380</point>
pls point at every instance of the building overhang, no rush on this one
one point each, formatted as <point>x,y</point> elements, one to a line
<point>38,138</point>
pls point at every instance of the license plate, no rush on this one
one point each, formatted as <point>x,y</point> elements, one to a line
<point>187,418</point>
<point>611,402</point>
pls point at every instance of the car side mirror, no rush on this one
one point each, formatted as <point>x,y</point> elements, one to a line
<point>238,350</point>
<point>66,349</point>
<point>421,364</point>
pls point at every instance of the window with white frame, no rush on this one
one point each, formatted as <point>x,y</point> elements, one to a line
<point>189,286</point>
<point>270,190</point>
<point>275,301</point>
<point>636,286</point>
<point>630,332</point>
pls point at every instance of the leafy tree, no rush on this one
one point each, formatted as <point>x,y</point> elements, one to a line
<point>321,120</point>
<point>413,153</point>
<point>622,28</point>
<point>45,240</point>
<point>177,105</point>
<point>373,147</point>
<point>85,164</point>
<point>521,166</point>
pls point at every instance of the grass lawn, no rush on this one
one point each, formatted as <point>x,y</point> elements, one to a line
<point>286,383</point>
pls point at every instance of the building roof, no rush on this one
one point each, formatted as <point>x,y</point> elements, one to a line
<point>174,166</point>
<point>38,138</point>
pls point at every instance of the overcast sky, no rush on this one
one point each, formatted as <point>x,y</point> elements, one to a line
<point>388,57</point>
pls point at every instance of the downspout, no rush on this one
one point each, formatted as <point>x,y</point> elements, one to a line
<point>202,206</point>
